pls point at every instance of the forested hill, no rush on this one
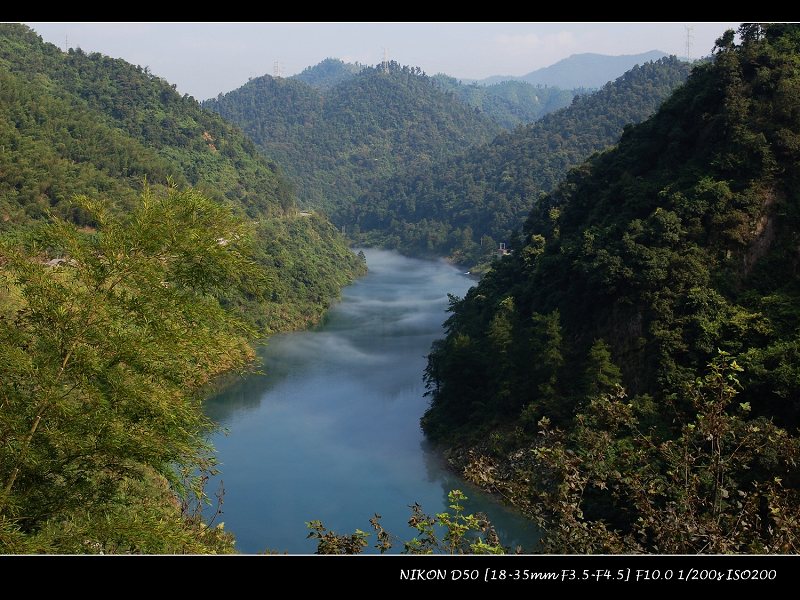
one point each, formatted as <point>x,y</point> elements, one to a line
<point>509,103</point>
<point>463,205</point>
<point>334,144</point>
<point>76,123</point>
<point>81,121</point>
<point>667,266</point>
<point>124,291</point>
<point>328,73</point>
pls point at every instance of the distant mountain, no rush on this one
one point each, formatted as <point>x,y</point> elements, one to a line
<point>337,142</point>
<point>464,204</point>
<point>328,73</point>
<point>510,103</point>
<point>586,70</point>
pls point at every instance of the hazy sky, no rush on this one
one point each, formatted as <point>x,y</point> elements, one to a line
<point>204,59</point>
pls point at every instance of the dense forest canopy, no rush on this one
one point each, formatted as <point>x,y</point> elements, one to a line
<point>328,73</point>
<point>77,123</point>
<point>635,360</point>
<point>335,142</point>
<point>144,244</point>
<point>463,206</point>
<point>156,131</point>
<point>103,351</point>
<point>510,103</point>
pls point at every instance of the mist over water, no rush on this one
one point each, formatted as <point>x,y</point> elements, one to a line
<point>331,431</point>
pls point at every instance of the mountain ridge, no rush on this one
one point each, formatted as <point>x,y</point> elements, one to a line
<point>464,206</point>
<point>335,143</point>
<point>583,70</point>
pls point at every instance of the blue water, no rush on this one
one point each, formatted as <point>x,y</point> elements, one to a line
<point>331,430</point>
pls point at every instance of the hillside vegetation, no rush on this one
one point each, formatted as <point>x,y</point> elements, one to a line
<point>465,205</point>
<point>510,103</point>
<point>144,244</point>
<point>336,142</point>
<point>630,374</point>
<point>76,123</point>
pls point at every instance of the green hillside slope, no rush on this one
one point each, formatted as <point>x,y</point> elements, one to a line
<point>667,266</point>
<point>144,245</point>
<point>464,206</point>
<point>334,144</point>
<point>75,123</point>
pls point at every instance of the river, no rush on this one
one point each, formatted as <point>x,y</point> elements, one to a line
<point>331,430</point>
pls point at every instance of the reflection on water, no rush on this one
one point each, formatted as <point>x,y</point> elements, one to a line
<point>331,430</point>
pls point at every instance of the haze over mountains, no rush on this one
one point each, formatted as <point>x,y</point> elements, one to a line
<point>509,103</point>
<point>587,70</point>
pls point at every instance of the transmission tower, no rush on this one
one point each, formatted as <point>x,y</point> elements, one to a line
<point>385,63</point>
<point>689,41</point>
<point>276,69</point>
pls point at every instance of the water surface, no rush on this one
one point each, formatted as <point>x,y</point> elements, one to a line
<point>331,430</point>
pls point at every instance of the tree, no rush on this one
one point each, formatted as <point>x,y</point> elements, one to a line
<point>715,488</point>
<point>446,533</point>
<point>100,360</point>
<point>602,375</point>
<point>546,362</point>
